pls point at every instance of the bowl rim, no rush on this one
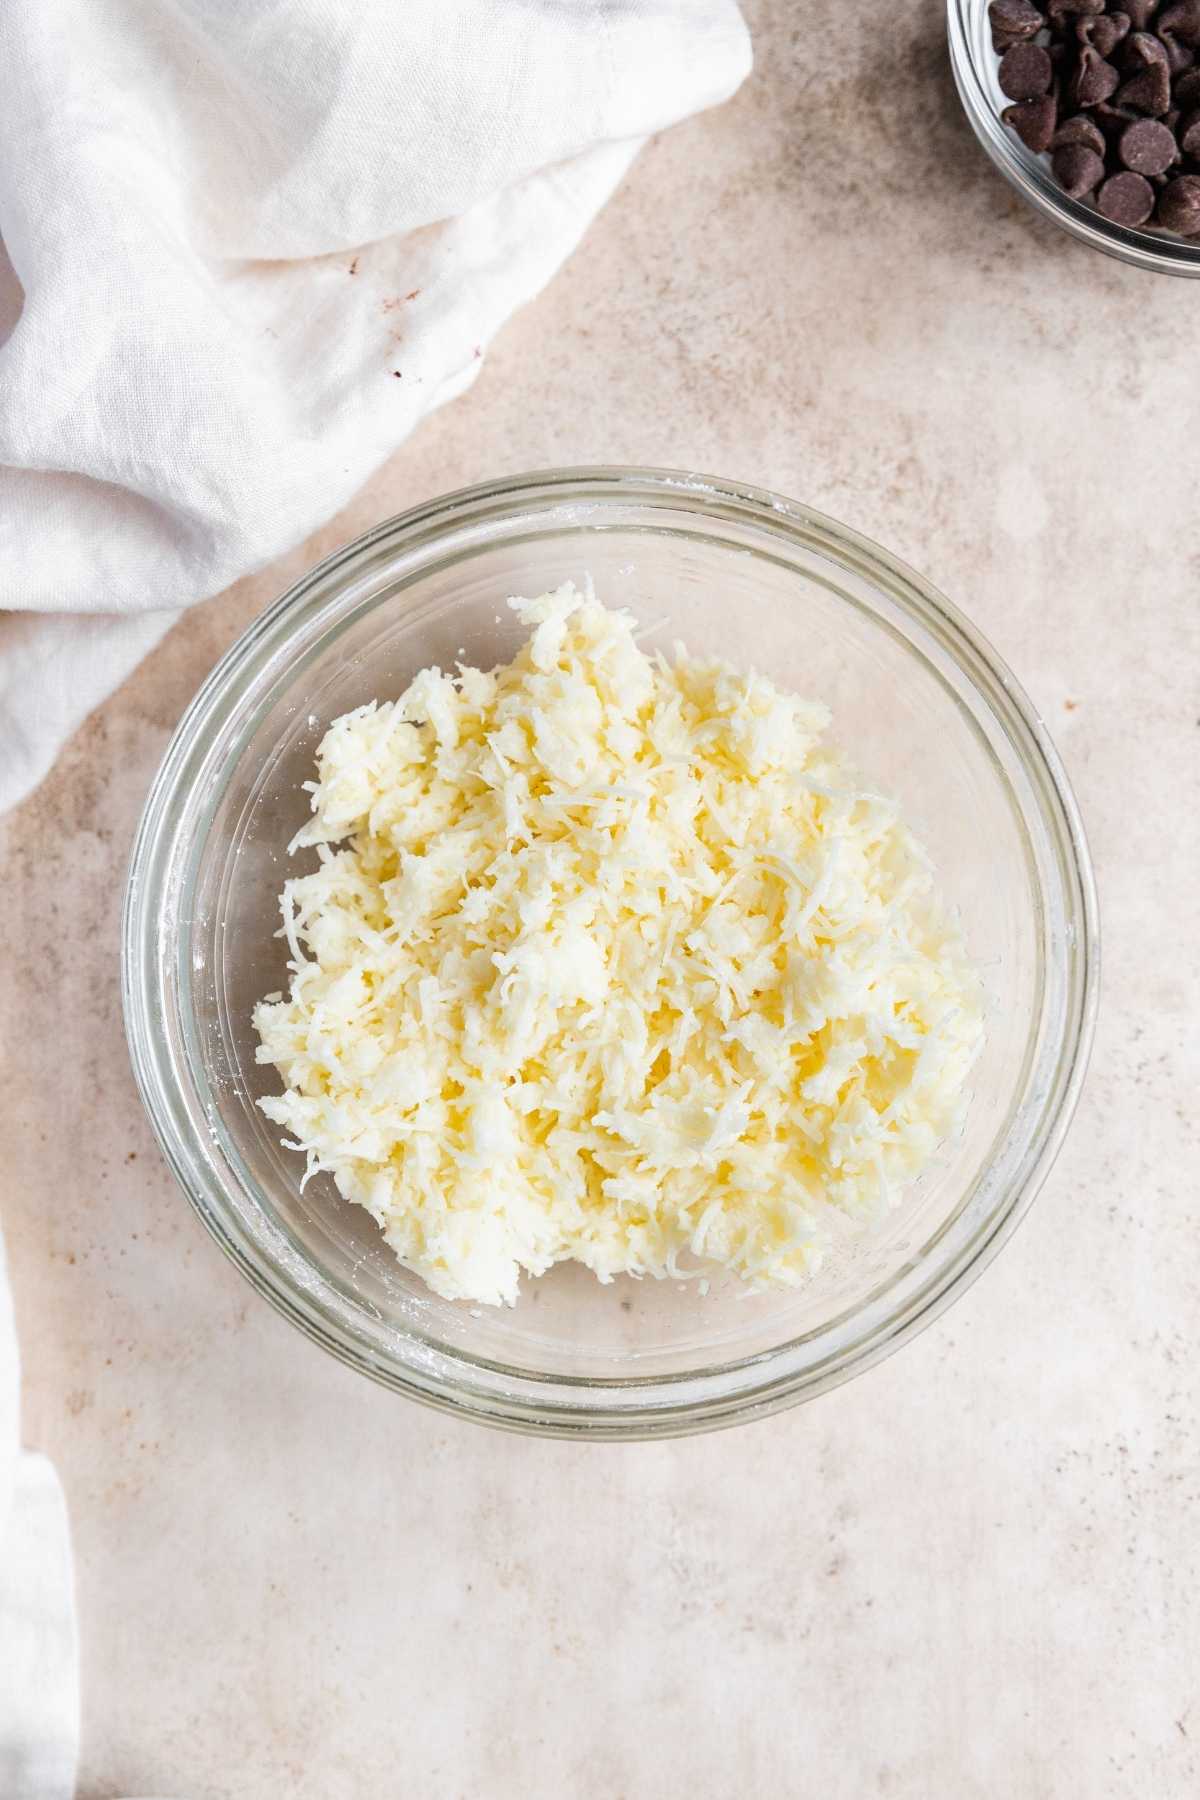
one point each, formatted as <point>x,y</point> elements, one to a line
<point>1030,175</point>
<point>662,1405</point>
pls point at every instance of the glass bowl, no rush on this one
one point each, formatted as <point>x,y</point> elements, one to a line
<point>922,703</point>
<point>975,66</point>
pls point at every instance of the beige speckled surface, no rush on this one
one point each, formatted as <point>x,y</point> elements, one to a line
<point>973,1572</point>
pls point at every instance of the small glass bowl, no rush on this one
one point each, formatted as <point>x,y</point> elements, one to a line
<point>975,66</point>
<point>927,710</point>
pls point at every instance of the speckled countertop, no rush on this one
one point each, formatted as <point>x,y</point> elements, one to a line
<point>974,1571</point>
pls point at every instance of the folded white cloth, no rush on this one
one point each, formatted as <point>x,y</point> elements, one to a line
<point>39,1700</point>
<point>256,243</point>
<point>246,247</point>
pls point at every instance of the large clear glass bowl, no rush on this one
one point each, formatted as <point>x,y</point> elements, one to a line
<point>922,703</point>
<point>976,65</point>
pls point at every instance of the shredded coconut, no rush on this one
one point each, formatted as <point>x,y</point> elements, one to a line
<point>617,961</point>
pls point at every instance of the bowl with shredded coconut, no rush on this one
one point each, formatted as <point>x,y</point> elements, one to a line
<point>610,953</point>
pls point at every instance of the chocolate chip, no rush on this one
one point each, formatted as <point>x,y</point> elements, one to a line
<point>1033,121</point>
<point>1140,12</point>
<point>1066,9</point>
<point>1142,49</point>
<point>1149,91</point>
<point>1080,129</point>
<point>1189,137</point>
<point>1187,89</point>
<point>1183,21</point>
<point>1015,19</point>
<point>1095,79</point>
<point>1025,72</point>
<point>1179,56</point>
<point>1103,33</point>
<point>1147,147</point>
<point>1126,199</point>
<point>1077,169</point>
<point>1179,205</point>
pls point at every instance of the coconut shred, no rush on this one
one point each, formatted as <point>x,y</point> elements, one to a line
<point>611,957</point>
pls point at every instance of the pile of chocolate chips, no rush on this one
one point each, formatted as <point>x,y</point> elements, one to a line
<point>1114,96</point>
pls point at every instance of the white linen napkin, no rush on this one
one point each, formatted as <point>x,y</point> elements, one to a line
<point>250,245</point>
<point>246,246</point>
<point>39,1699</point>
